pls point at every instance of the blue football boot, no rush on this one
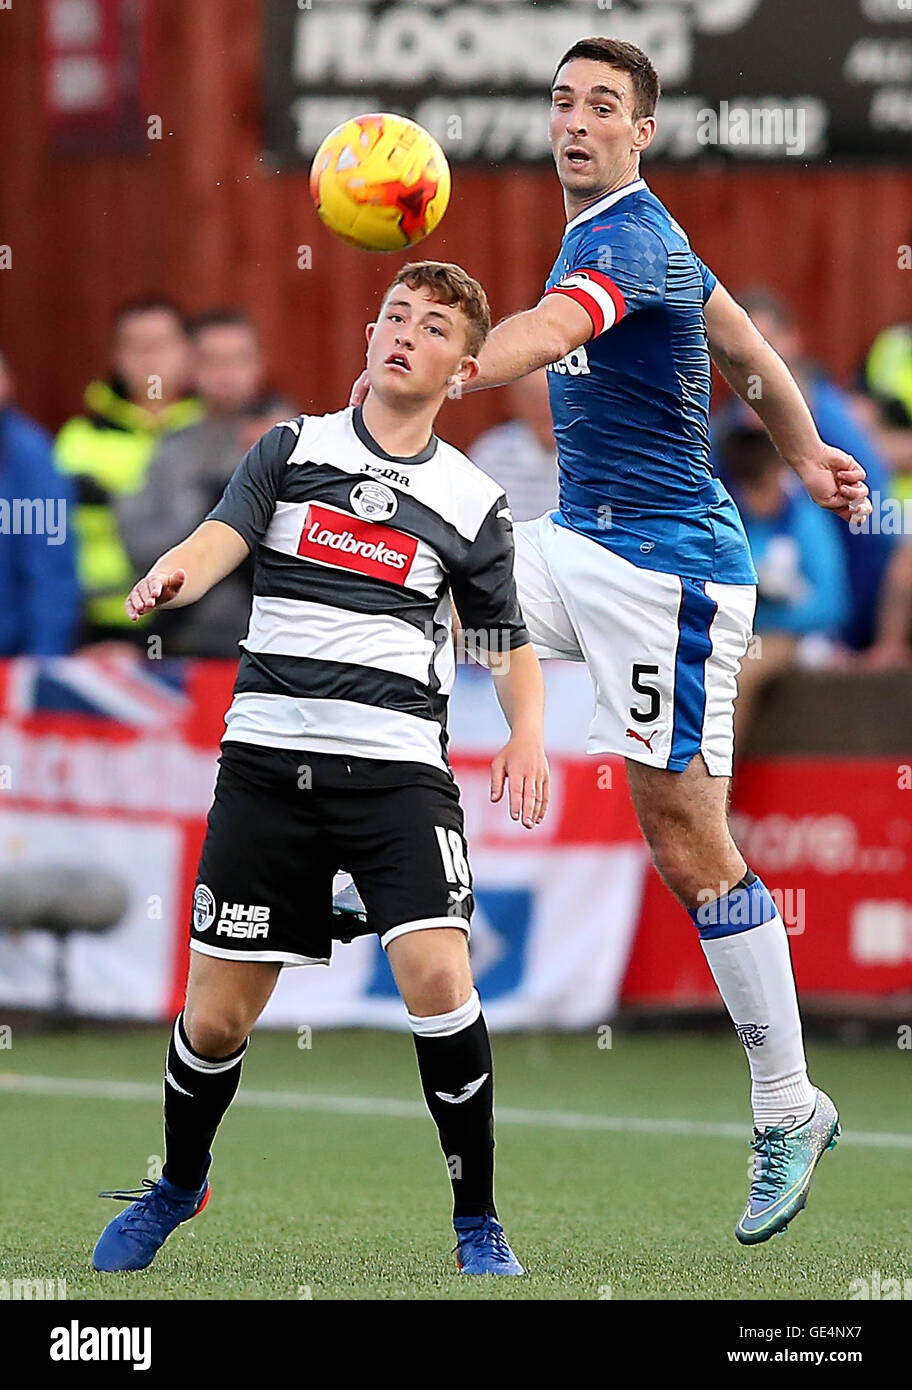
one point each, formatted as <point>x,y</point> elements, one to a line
<point>483,1248</point>
<point>134,1237</point>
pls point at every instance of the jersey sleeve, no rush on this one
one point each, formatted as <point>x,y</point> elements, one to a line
<point>709,280</point>
<point>614,271</point>
<point>249,500</point>
<point>483,586</point>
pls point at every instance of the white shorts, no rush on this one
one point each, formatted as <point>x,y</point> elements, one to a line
<point>664,652</point>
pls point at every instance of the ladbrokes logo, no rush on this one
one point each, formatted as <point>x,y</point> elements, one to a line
<point>337,538</point>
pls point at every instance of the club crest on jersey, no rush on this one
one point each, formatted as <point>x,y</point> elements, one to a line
<point>374,501</point>
<point>203,908</point>
<point>338,538</point>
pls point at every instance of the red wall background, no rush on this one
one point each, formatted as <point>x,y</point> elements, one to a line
<point>200,216</point>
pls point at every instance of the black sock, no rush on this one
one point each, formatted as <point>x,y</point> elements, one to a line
<point>198,1091</point>
<point>451,1064</point>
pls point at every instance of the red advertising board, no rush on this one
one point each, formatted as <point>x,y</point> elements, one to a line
<point>113,756</point>
<point>832,839</point>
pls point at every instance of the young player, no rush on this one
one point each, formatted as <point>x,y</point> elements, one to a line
<point>644,571</point>
<point>362,523</point>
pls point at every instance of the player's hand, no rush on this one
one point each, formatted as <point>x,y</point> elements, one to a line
<point>359,390</point>
<point>835,481</point>
<point>522,764</point>
<point>152,592</point>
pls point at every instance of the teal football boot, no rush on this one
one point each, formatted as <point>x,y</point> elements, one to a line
<point>349,915</point>
<point>784,1163</point>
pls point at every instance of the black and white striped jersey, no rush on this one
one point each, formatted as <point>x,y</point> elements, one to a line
<point>349,648</point>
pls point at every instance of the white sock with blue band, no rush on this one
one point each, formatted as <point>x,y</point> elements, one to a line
<point>747,949</point>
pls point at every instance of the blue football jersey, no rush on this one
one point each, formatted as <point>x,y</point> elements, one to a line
<point>631,406</point>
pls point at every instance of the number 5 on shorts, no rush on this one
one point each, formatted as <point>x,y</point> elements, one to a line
<point>649,716</point>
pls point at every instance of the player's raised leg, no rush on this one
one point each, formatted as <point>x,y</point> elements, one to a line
<point>434,977</point>
<point>684,818</point>
<point>202,1073</point>
<point>664,653</point>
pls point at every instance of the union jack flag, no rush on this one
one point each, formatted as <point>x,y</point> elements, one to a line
<point>112,683</point>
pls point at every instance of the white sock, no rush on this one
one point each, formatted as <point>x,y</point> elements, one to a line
<point>752,969</point>
<point>784,1103</point>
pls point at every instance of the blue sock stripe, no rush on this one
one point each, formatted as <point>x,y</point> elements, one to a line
<point>695,617</point>
<point>736,911</point>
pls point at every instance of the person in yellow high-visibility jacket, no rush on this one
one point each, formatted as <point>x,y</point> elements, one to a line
<point>108,449</point>
<point>888,378</point>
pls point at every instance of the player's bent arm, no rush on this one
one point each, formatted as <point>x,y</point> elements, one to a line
<point>760,377</point>
<point>521,762</point>
<point>189,570</point>
<point>758,374</point>
<point>529,340</point>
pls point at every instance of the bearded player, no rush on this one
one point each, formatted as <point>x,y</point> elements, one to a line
<point>644,570</point>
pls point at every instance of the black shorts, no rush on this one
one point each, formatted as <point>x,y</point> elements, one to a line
<point>283,822</point>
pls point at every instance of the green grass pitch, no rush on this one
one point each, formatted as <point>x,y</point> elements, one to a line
<point>619,1172</point>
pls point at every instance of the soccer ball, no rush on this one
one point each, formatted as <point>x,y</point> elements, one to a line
<point>380,182</point>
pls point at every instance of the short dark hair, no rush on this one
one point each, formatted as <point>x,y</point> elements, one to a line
<point>149,304</point>
<point>628,58</point>
<point>451,285</point>
<point>220,318</point>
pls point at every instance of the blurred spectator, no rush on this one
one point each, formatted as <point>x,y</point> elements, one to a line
<point>189,471</point>
<point>887,383</point>
<point>892,645</point>
<point>39,597</point>
<point>108,449</point>
<point>802,583</point>
<point>866,554</point>
<point>521,455</point>
<point>886,393</point>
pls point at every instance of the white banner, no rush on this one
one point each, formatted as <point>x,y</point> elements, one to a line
<point>551,936</point>
<point>556,911</point>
